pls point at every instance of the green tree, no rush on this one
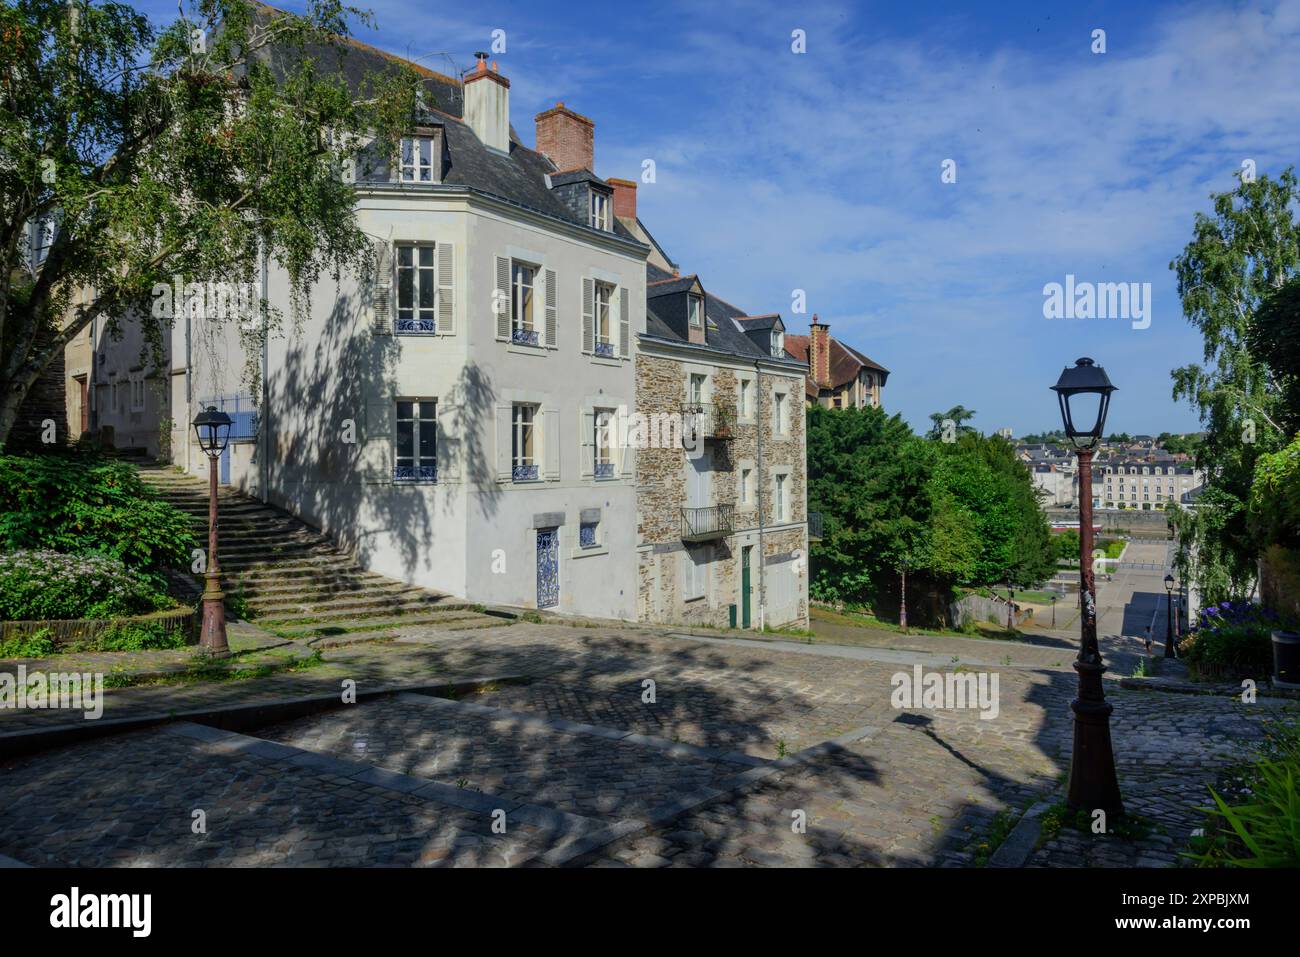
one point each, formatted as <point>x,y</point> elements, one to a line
<point>1239,259</point>
<point>171,151</point>
<point>958,414</point>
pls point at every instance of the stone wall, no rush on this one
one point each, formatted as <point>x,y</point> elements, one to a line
<point>661,493</point>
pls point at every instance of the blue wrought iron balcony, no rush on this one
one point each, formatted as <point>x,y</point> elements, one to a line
<point>415,473</point>
<point>605,348</point>
<point>524,473</point>
<point>525,337</point>
<point>707,524</point>
<point>604,470</point>
<point>411,326</point>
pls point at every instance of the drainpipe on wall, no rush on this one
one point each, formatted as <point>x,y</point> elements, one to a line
<point>189,389</point>
<point>264,418</point>
<point>758,432</point>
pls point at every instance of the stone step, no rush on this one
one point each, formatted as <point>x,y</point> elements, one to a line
<point>379,625</point>
<point>328,616</point>
<point>358,606</point>
<point>274,589</point>
<point>289,564</point>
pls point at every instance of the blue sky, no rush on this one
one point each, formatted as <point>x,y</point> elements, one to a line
<point>820,171</point>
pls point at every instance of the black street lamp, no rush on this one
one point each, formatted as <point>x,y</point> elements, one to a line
<point>1084,394</point>
<point>213,430</point>
<point>1169,617</point>
<point>1011,605</point>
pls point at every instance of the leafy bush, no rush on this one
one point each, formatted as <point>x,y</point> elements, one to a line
<point>140,636</point>
<point>1274,507</point>
<point>81,503</point>
<point>1255,822</point>
<point>46,584</point>
<point>38,644</point>
<point>1232,637</point>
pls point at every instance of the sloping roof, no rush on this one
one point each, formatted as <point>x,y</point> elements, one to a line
<point>846,361</point>
<point>654,288</point>
<point>519,177</point>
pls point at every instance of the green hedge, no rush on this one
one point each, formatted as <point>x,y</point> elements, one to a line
<point>85,503</point>
<point>36,585</point>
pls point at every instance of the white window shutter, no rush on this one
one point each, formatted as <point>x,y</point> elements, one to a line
<point>446,289</point>
<point>588,315</point>
<point>501,299</point>
<point>505,466</point>
<point>624,326</point>
<point>552,321</point>
<point>381,290</point>
<point>587,441</point>
<point>551,442</point>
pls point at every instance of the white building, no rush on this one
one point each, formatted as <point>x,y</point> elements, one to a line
<point>439,421</point>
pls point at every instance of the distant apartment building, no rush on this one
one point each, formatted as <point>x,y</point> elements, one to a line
<point>839,376</point>
<point>1120,480</point>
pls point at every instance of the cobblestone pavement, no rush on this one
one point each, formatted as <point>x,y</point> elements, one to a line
<point>918,788</point>
<point>503,755</point>
<point>130,801</point>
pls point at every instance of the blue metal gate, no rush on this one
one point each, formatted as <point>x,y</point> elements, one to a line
<point>548,567</point>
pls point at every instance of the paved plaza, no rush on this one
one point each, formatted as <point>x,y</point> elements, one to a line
<point>618,746</point>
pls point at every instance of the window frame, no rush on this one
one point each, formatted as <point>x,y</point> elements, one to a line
<point>422,472</point>
<point>524,428</point>
<point>599,210</point>
<point>416,165</point>
<point>695,311</point>
<point>602,313</point>
<point>523,303</point>
<point>603,463</point>
<point>418,272</point>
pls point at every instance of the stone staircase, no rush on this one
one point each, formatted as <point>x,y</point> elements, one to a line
<point>293,581</point>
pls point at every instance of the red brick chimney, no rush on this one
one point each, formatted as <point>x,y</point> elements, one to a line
<point>624,198</point>
<point>819,352</point>
<point>568,138</point>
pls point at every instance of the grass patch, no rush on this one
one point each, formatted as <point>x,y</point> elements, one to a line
<point>1059,817</point>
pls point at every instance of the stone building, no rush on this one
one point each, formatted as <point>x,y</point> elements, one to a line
<point>722,533</point>
<point>839,376</point>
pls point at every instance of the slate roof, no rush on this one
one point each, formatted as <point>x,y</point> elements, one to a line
<point>846,361</point>
<point>518,178</point>
<point>723,330</point>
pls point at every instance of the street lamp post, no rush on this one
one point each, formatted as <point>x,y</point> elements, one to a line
<point>1169,617</point>
<point>902,604</point>
<point>1011,605</point>
<point>213,430</point>
<point>1093,784</point>
<point>1053,611</point>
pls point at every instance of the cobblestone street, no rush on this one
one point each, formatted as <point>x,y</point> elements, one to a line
<point>607,747</point>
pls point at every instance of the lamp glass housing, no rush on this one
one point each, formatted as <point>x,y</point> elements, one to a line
<point>212,428</point>
<point>1083,392</point>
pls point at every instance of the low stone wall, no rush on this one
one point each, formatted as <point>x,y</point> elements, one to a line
<point>978,608</point>
<point>77,632</point>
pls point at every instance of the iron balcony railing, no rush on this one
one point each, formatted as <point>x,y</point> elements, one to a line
<point>415,473</point>
<point>711,420</point>
<point>814,526</point>
<point>706,524</point>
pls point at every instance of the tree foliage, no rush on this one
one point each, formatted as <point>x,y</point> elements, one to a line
<point>958,514</point>
<point>183,150</point>
<point>1234,282</point>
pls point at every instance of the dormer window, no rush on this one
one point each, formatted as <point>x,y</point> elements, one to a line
<point>778,344</point>
<point>695,310</point>
<point>417,159</point>
<point>599,211</point>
